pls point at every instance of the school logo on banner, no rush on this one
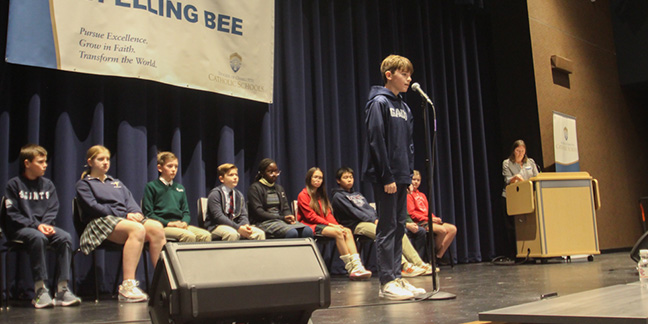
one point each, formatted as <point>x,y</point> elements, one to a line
<point>198,44</point>
<point>235,62</point>
<point>565,143</point>
<point>566,133</point>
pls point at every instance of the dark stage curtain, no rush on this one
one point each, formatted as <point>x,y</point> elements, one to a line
<point>327,55</point>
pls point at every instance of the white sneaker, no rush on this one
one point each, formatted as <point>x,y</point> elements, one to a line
<point>409,270</point>
<point>356,270</point>
<point>393,290</point>
<point>427,267</point>
<point>130,293</point>
<point>360,274</point>
<point>417,292</point>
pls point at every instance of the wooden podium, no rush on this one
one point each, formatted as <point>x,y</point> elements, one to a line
<point>555,214</point>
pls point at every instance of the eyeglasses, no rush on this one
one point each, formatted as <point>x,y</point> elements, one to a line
<point>277,173</point>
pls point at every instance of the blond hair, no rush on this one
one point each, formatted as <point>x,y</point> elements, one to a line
<point>164,157</point>
<point>91,154</point>
<point>225,168</point>
<point>393,63</point>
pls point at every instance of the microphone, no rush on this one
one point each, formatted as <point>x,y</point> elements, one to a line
<point>417,87</point>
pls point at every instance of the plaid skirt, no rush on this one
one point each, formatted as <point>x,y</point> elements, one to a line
<point>277,227</point>
<point>96,232</point>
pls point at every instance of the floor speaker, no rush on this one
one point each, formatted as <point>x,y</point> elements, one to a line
<point>271,281</point>
<point>642,244</point>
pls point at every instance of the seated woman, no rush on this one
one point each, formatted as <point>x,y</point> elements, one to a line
<point>417,207</point>
<point>268,205</point>
<point>110,212</point>
<point>315,211</point>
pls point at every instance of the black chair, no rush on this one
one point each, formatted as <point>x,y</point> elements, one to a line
<point>15,245</point>
<point>106,245</point>
<point>450,256</point>
<point>448,252</point>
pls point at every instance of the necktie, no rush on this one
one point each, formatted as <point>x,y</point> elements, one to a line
<point>230,211</point>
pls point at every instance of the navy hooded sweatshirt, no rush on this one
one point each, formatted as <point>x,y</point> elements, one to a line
<point>389,149</point>
<point>351,208</point>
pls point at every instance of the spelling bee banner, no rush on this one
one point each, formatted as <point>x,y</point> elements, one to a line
<point>224,46</point>
<point>565,143</point>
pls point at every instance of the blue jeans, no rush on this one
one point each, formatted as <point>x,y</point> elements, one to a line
<point>36,243</point>
<point>392,214</point>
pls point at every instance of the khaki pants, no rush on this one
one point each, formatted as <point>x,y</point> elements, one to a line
<point>409,253</point>
<point>191,234</point>
<point>228,233</point>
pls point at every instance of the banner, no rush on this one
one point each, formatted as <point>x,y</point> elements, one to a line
<point>565,143</point>
<point>224,46</point>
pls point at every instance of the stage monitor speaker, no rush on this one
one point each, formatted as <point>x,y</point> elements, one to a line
<point>642,244</point>
<point>271,281</point>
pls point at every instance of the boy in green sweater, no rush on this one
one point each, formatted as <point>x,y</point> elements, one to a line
<point>166,201</point>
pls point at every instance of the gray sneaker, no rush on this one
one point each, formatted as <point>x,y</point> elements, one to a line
<point>43,299</point>
<point>66,298</point>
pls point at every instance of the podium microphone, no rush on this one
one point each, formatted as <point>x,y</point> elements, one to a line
<point>417,87</point>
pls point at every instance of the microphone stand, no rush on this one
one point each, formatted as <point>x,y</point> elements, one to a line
<point>429,164</point>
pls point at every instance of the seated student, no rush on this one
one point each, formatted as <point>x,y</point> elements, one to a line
<point>315,211</point>
<point>268,205</point>
<point>227,216</point>
<point>32,205</point>
<point>110,212</point>
<point>417,207</point>
<point>352,210</point>
<point>166,201</point>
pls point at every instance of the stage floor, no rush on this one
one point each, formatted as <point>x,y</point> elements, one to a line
<point>479,287</point>
<point>618,304</point>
